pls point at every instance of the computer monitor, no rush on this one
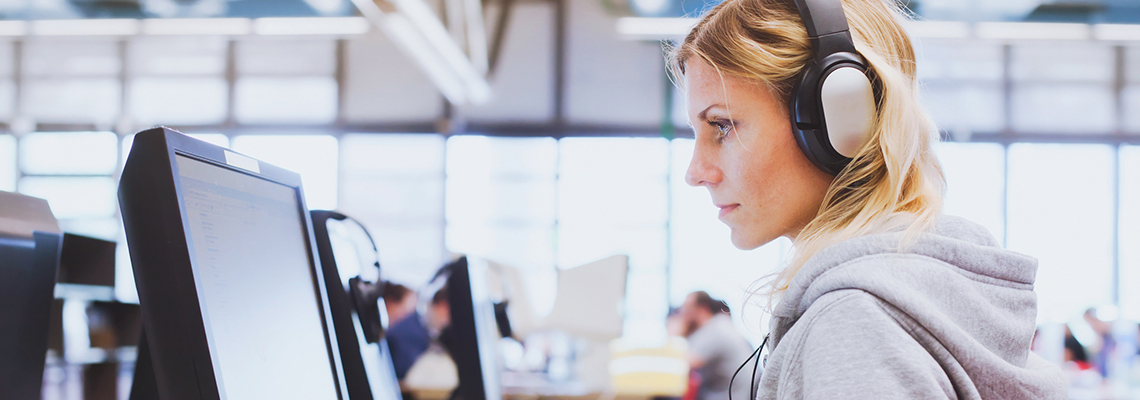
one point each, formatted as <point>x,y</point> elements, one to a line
<point>30,242</point>
<point>368,369</point>
<point>474,333</point>
<point>233,301</point>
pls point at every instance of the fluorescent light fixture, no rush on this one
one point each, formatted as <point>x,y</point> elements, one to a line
<point>85,27</point>
<point>414,27</point>
<point>1117,32</point>
<point>13,28</point>
<point>1032,31</point>
<point>311,26</point>
<point>655,28</point>
<point>939,29</point>
<point>196,26</point>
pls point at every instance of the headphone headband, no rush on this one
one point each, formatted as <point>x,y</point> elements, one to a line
<point>833,105</point>
<point>822,17</point>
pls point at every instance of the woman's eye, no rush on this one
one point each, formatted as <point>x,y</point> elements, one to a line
<point>722,129</point>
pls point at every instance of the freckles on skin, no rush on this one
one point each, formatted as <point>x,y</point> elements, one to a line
<point>756,173</point>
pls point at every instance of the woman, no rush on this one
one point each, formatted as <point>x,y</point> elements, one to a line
<point>884,297</point>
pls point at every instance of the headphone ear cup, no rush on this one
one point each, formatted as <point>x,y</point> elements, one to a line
<point>848,105</point>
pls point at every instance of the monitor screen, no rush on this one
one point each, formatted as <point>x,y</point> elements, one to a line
<point>256,286</point>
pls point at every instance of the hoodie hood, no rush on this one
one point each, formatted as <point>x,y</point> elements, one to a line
<point>966,292</point>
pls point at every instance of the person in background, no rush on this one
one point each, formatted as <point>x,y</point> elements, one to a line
<point>410,336</point>
<point>399,302</point>
<point>716,348</point>
<point>1075,353</point>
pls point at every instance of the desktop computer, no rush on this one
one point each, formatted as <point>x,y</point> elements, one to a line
<point>30,242</point>
<point>234,303</point>
<point>474,333</point>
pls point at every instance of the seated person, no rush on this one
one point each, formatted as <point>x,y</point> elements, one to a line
<point>411,335</point>
<point>716,349</point>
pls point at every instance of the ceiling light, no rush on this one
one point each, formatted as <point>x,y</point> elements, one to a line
<point>86,27</point>
<point>311,26</point>
<point>196,26</point>
<point>1032,31</point>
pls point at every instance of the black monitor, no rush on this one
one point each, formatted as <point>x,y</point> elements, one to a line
<point>233,301</point>
<point>30,243</point>
<point>474,333</point>
<point>368,369</point>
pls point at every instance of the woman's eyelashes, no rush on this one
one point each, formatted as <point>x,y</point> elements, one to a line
<point>723,128</point>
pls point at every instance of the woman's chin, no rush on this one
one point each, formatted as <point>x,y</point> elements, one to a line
<point>746,241</point>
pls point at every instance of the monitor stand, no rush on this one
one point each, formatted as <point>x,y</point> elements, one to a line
<point>144,386</point>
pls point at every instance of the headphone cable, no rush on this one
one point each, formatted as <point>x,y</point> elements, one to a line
<point>752,388</point>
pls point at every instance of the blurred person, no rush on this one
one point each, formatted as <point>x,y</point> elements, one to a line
<point>716,348</point>
<point>399,302</point>
<point>412,335</point>
<point>884,297</point>
<point>1075,353</point>
<point>1105,345</point>
<point>676,324</point>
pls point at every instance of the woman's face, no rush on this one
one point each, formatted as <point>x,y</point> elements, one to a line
<point>748,160</point>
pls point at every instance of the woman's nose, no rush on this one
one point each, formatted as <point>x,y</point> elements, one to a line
<point>701,171</point>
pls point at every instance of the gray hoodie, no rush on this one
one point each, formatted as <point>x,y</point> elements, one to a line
<point>952,316</point>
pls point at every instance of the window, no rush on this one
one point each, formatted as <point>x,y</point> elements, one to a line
<point>975,183</point>
<point>1060,211</point>
<point>8,172</point>
<point>312,156</point>
<point>394,184</point>
<point>1129,235</point>
<point>500,204</point>
<point>69,153</point>
<point>613,199</point>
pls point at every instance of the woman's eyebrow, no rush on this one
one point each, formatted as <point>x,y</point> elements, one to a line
<point>702,115</point>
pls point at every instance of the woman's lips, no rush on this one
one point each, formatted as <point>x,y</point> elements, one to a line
<point>725,209</point>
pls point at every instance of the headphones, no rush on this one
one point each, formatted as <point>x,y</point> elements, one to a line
<point>833,103</point>
<point>365,296</point>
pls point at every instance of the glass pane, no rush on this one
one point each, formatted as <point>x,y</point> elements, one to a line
<point>80,100</point>
<point>274,100</point>
<point>312,156</point>
<point>7,98</point>
<point>73,197</point>
<point>60,153</point>
<point>7,59</point>
<point>703,257</point>
<point>1084,61</point>
<point>613,199</point>
<point>394,185</point>
<point>1131,107</point>
<point>1063,108</point>
<point>496,181</point>
<point>1129,232</point>
<point>387,153</point>
<point>8,172</point>
<point>941,62</point>
<point>975,183</point>
<point>290,57</point>
<point>197,55</point>
<point>613,181</point>
<point>970,106</point>
<point>71,57</point>
<point>1060,211</point>
<point>179,101</point>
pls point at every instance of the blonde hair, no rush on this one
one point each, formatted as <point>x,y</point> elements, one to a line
<point>895,179</point>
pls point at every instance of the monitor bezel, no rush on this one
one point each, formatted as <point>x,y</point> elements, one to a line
<point>160,253</point>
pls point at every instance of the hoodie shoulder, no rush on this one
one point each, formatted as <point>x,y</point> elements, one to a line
<point>848,346</point>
